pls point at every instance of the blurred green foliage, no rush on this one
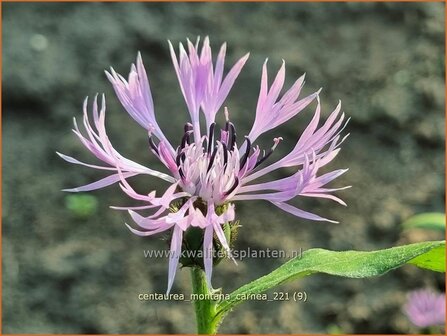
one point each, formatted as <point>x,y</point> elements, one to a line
<point>334,329</point>
<point>81,206</point>
<point>429,220</point>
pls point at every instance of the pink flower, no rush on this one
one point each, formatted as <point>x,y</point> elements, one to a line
<point>210,171</point>
<point>425,308</point>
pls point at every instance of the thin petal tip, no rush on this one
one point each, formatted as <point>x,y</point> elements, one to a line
<point>70,190</point>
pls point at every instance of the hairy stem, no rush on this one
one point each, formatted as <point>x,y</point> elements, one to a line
<point>205,307</point>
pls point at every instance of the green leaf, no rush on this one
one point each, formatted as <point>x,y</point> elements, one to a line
<point>350,264</point>
<point>428,220</point>
<point>433,260</point>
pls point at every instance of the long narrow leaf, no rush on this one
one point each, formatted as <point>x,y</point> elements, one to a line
<point>350,264</point>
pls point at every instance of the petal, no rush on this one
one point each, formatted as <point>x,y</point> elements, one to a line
<point>311,140</point>
<point>100,145</point>
<point>271,112</point>
<point>281,196</point>
<point>75,161</point>
<point>280,184</point>
<point>300,213</point>
<point>142,207</point>
<point>322,195</point>
<point>144,81</point>
<point>148,233</point>
<point>325,179</point>
<point>229,81</point>
<point>229,214</point>
<point>176,248</point>
<point>136,98</point>
<point>197,218</point>
<point>208,253</point>
<point>106,181</point>
<point>218,73</point>
<point>276,87</point>
<point>150,222</point>
<point>166,158</point>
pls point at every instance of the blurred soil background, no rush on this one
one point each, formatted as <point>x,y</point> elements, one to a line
<point>71,266</point>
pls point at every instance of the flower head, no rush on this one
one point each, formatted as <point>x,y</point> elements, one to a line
<point>425,308</point>
<point>208,172</point>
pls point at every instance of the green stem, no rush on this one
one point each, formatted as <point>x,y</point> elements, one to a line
<point>205,308</point>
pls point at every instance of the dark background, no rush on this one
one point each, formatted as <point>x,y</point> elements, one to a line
<point>77,269</point>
